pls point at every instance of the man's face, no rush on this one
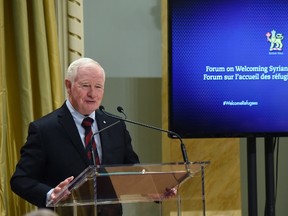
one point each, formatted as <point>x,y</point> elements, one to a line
<point>86,93</point>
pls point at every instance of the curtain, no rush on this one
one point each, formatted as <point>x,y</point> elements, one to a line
<point>31,83</point>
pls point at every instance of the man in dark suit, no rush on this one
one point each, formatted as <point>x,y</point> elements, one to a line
<point>54,153</point>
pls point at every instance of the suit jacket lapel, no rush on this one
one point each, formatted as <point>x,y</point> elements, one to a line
<point>66,120</point>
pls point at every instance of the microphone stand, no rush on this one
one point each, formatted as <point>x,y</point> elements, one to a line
<point>120,109</point>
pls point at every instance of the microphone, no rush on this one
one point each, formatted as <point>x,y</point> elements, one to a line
<point>90,146</point>
<point>121,110</point>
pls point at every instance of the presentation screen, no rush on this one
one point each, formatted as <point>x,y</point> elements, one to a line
<point>228,68</point>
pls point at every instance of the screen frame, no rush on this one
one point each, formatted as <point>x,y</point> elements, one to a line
<point>235,134</point>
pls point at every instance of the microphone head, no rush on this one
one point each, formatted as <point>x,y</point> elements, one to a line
<point>120,109</point>
<point>101,108</point>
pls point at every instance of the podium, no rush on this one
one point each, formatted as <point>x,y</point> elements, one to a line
<point>117,184</point>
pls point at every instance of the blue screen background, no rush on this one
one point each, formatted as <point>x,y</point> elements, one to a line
<point>226,34</point>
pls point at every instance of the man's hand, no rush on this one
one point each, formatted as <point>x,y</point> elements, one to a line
<point>170,193</point>
<point>59,188</point>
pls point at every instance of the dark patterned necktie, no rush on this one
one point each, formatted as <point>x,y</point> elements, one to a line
<point>86,124</point>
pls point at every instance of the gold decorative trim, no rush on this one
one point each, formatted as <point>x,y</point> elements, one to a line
<point>75,35</point>
<point>75,52</point>
<point>76,2</point>
<point>75,18</point>
<point>75,29</point>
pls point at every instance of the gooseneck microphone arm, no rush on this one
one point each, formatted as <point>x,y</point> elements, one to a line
<point>120,109</point>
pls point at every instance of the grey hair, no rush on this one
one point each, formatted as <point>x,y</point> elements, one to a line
<point>42,212</point>
<point>73,67</point>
